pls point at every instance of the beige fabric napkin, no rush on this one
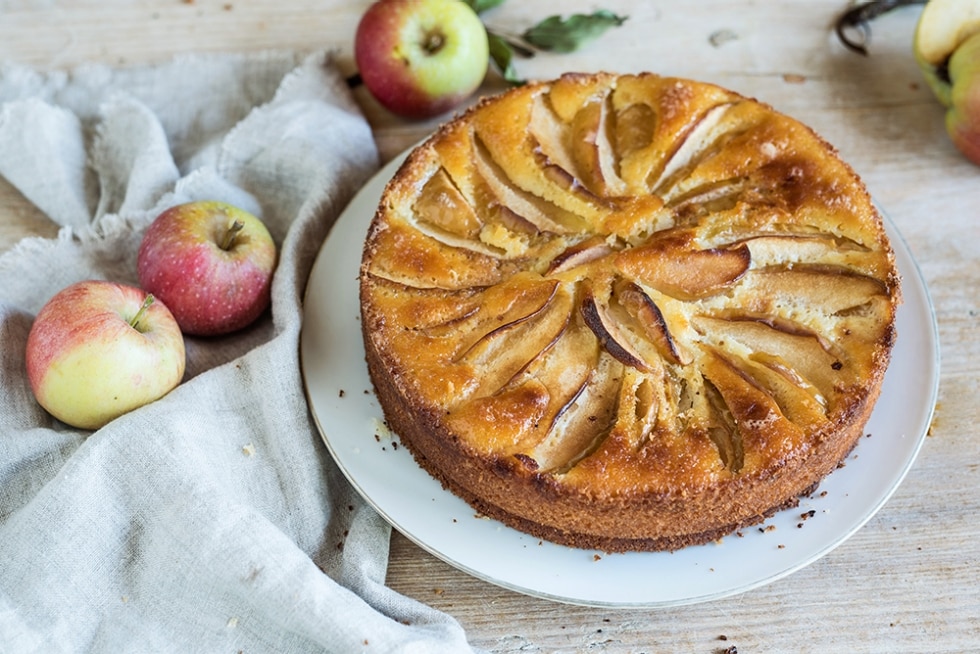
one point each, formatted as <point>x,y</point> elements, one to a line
<point>212,520</point>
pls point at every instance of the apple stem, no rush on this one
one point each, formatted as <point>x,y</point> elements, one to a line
<point>147,301</point>
<point>434,42</point>
<point>230,235</point>
<point>520,48</point>
<point>858,18</point>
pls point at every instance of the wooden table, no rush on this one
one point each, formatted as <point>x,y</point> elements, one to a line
<point>907,581</point>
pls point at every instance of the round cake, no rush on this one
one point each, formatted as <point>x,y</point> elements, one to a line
<point>627,312</point>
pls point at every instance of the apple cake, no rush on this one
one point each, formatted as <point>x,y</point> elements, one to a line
<point>627,312</point>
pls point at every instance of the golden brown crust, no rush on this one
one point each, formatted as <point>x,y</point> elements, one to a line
<point>627,312</point>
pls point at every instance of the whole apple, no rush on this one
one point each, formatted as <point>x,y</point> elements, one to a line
<point>963,117</point>
<point>99,349</point>
<point>211,263</point>
<point>947,49</point>
<point>421,58</point>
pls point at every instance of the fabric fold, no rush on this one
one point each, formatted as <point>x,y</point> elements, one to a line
<point>43,153</point>
<point>213,519</point>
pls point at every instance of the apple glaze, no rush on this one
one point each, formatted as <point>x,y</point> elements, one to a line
<point>627,312</point>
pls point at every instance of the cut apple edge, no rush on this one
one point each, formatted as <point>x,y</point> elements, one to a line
<point>654,325</point>
<point>942,26</point>
<point>596,316</point>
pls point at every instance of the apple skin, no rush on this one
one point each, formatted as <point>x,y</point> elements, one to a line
<point>421,58</point>
<point>87,365</point>
<point>211,287</point>
<point>947,49</point>
<point>963,117</point>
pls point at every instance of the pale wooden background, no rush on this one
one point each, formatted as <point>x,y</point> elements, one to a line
<point>908,581</point>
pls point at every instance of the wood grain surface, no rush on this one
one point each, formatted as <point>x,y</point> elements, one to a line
<point>908,581</point>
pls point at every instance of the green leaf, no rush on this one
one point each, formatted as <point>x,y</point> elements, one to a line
<point>480,6</point>
<point>502,56</point>
<point>557,34</point>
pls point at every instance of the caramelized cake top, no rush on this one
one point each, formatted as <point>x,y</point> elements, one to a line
<point>630,284</point>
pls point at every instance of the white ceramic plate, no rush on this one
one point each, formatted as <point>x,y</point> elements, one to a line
<point>350,421</point>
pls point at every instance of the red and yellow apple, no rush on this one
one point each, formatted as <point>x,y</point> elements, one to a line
<point>947,49</point>
<point>99,349</point>
<point>211,263</point>
<point>421,58</point>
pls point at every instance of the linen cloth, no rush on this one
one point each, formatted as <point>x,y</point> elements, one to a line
<point>212,520</point>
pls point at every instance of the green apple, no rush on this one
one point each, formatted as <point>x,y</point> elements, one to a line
<point>99,349</point>
<point>211,263</point>
<point>947,49</point>
<point>421,58</point>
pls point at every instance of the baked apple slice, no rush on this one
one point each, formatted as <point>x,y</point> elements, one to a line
<point>443,205</point>
<point>673,264</point>
<point>611,333</point>
<point>579,254</point>
<point>529,207</point>
<point>592,149</point>
<point>641,307</point>
<point>584,421</point>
